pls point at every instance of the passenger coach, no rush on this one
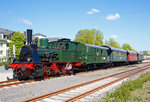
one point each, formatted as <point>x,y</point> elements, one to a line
<point>116,56</point>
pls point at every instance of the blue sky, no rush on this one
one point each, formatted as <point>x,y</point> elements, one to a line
<point>127,21</point>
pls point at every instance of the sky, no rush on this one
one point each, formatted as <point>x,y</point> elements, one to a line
<point>127,21</point>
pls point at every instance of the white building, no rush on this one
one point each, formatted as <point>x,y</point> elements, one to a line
<point>38,36</point>
<point>5,39</point>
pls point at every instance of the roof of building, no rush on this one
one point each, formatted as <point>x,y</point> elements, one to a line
<point>6,31</point>
<point>146,51</point>
<point>35,36</point>
<point>39,34</point>
<point>52,39</point>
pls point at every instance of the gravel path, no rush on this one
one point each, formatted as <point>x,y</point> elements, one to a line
<point>22,92</point>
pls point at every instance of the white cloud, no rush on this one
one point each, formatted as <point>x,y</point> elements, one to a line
<point>25,21</point>
<point>92,11</point>
<point>113,17</point>
<point>114,36</point>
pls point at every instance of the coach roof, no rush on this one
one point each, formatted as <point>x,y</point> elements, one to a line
<point>96,46</point>
<point>115,49</point>
<point>131,51</point>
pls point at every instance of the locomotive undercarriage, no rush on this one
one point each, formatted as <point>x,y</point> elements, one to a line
<point>41,70</point>
<point>27,71</point>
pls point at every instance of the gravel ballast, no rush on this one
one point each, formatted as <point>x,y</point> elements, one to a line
<point>26,91</point>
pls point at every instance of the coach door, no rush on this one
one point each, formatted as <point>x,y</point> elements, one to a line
<point>76,50</point>
<point>82,53</point>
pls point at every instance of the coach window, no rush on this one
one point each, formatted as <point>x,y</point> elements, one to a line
<point>101,52</point>
<point>76,47</point>
<point>97,52</point>
<point>67,46</point>
<point>60,44</point>
<point>119,53</point>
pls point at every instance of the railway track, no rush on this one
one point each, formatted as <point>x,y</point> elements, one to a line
<point>79,92</point>
<point>17,82</point>
<point>13,82</point>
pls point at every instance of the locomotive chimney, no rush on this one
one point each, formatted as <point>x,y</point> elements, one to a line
<point>29,36</point>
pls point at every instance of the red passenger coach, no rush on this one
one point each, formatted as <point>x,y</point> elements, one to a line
<point>131,56</point>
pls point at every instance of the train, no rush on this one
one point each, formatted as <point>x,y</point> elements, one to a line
<point>65,57</point>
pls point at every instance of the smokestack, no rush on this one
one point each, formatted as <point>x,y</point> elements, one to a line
<point>29,36</point>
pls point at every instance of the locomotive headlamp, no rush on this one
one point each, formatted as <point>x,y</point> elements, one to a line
<point>23,67</point>
<point>28,59</point>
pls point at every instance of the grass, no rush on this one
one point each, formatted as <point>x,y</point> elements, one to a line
<point>125,92</point>
<point>141,95</point>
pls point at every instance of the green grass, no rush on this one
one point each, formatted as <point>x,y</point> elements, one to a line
<point>123,93</point>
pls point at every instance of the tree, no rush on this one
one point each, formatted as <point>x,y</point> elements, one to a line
<point>98,37</point>
<point>17,39</point>
<point>84,36</point>
<point>93,37</point>
<point>127,47</point>
<point>111,42</point>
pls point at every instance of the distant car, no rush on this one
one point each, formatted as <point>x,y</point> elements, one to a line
<point>132,56</point>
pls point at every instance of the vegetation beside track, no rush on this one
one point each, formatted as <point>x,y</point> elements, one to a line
<point>125,92</point>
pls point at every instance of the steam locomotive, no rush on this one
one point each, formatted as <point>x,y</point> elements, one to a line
<point>64,56</point>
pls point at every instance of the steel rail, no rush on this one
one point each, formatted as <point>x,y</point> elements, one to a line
<point>76,86</point>
<point>16,83</point>
<point>8,81</point>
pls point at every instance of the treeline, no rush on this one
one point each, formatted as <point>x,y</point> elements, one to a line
<point>96,37</point>
<point>146,53</point>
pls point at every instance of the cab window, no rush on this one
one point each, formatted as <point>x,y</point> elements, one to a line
<point>67,46</point>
